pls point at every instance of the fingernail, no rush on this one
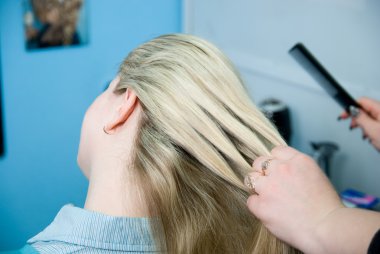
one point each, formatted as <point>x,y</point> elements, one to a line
<point>339,118</point>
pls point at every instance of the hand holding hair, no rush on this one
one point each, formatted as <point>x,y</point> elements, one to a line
<point>298,204</point>
<point>368,120</point>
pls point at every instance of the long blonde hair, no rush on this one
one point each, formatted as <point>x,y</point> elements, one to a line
<point>198,138</point>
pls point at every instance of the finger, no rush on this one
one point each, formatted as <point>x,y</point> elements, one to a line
<point>372,107</point>
<point>260,184</point>
<point>375,143</point>
<point>251,180</point>
<point>364,134</point>
<point>344,116</point>
<point>284,152</point>
<point>369,126</point>
<point>262,163</point>
<point>353,124</point>
<point>253,204</point>
<point>254,201</point>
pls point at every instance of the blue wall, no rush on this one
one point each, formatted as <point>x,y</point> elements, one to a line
<point>45,94</point>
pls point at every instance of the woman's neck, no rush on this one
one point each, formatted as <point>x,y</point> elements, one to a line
<point>114,190</point>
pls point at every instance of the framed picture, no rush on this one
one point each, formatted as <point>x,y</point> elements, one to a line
<point>54,23</point>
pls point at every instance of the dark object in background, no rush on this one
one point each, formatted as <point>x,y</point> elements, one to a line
<point>323,153</point>
<point>52,23</point>
<point>303,56</point>
<point>279,114</point>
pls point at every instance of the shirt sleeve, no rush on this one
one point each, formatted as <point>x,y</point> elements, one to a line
<point>374,246</point>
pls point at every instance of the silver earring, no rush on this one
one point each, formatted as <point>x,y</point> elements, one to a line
<point>104,129</point>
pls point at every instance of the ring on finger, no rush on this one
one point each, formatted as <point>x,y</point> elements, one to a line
<point>249,181</point>
<point>265,165</point>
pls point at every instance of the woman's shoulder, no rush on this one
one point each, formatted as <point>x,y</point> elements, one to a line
<point>27,249</point>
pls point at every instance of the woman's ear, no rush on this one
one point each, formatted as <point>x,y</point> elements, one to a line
<point>125,109</point>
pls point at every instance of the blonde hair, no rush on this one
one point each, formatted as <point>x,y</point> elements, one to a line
<point>198,138</point>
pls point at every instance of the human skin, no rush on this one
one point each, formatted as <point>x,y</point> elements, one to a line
<point>108,132</point>
<point>298,204</point>
<point>368,120</point>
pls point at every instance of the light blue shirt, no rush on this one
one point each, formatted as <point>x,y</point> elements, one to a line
<point>76,230</point>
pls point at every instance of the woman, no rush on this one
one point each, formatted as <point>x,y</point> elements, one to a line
<point>171,139</point>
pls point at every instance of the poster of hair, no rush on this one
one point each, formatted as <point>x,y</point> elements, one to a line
<point>54,23</point>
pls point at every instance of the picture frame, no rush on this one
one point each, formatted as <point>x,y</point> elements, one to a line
<point>54,23</point>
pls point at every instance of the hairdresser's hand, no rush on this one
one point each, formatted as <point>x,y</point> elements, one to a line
<point>293,198</point>
<point>368,121</point>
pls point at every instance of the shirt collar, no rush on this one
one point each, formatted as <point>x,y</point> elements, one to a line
<point>78,226</point>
